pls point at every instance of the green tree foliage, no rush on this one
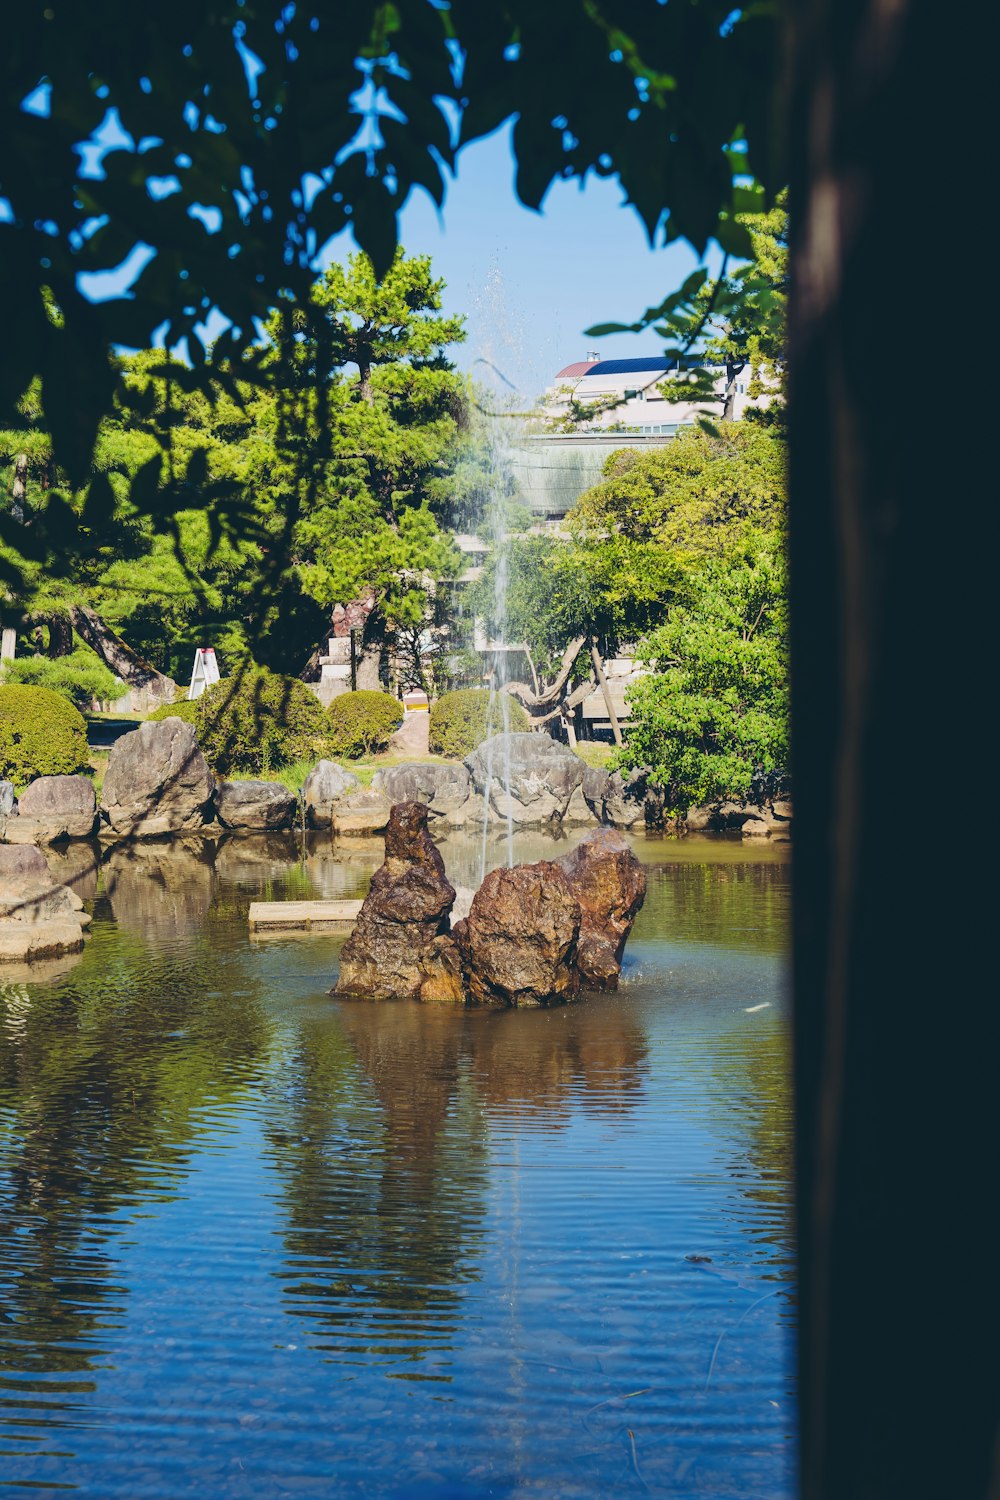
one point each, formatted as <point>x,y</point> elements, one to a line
<point>690,496</point>
<point>41,734</point>
<point>658,97</point>
<point>81,677</point>
<point>361,723</point>
<point>711,716</point>
<point>735,320</point>
<point>257,721</point>
<point>462,719</point>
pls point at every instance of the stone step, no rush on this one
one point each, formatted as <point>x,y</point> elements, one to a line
<point>301,915</point>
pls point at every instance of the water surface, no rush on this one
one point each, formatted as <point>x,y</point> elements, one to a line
<point>258,1242</point>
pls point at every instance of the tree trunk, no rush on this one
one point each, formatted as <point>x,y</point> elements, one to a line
<point>148,687</point>
<point>60,635</point>
<point>19,488</point>
<point>595,657</point>
<point>895,1035</point>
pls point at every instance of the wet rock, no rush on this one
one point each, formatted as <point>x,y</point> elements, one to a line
<point>441,980</point>
<point>609,883</point>
<point>406,908</point>
<point>157,782</point>
<point>615,799</point>
<point>362,813</point>
<point>530,778</point>
<point>579,810</point>
<point>38,919</point>
<point>519,939</point>
<point>325,786</point>
<point>56,807</point>
<point>260,805</point>
<point>444,789</point>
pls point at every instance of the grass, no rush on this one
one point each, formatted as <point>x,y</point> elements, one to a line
<point>595,753</point>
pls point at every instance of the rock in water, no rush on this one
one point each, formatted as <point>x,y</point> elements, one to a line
<point>406,908</point>
<point>530,777</point>
<point>519,939</point>
<point>443,788</point>
<point>56,807</point>
<point>38,919</point>
<point>261,805</point>
<point>325,786</point>
<point>608,881</point>
<point>158,782</point>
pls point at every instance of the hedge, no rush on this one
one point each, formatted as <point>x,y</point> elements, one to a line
<point>184,708</point>
<point>41,734</point>
<point>461,720</point>
<point>361,723</point>
<point>256,721</point>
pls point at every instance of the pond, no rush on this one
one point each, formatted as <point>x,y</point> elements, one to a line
<point>258,1242</point>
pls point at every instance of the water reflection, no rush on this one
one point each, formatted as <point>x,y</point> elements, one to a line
<point>161,889</point>
<point>251,1237</point>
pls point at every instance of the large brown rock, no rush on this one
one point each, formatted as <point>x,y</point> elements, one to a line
<point>157,782</point>
<point>406,908</point>
<point>57,807</point>
<point>519,940</point>
<point>608,881</point>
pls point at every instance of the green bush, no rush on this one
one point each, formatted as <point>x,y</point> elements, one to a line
<point>41,734</point>
<point>81,676</point>
<point>182,708</point>
<point>461,720</point>
<point>362,722</point>
<point>257,721</point>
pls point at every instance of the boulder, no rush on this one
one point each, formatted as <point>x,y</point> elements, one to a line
<point>616,799</point>
<point>609,883</point>
<point>579,810</point>
<point>157,782</point>
<point>782,810</point>
<point>326,784</point>
<point>444,789</point>
<point>519,939</point>
<point>406,908</point>
<point>528,777</point>
<point>260,805</point>
<point>8,800</point>
<point>413,735</point>
<point>38,919</point>
<point>756,828</point>
<point>362,813</point>
<point>56,807</point>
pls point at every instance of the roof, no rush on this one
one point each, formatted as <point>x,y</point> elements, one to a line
<point>646,364</point>
<point>581,367</point>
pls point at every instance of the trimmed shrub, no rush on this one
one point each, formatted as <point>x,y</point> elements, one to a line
<point>81,676</point>
<point>181,708</point>
<point>256,721</point>
<point>461,720</point>
<point>41,734</point>
<point>361,723</point>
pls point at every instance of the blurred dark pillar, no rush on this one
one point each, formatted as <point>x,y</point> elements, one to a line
<point>893,581</point>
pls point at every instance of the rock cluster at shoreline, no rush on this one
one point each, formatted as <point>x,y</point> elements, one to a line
<point>534,935</point>
<point>158,784</point>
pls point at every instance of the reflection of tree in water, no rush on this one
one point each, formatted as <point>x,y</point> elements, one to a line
<point>384,1173</point>
<point>731,903</point>
<point>385,1165</point>
<point>102,1082</point>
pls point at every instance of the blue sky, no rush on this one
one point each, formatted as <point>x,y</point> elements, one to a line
<point>530,283</point>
